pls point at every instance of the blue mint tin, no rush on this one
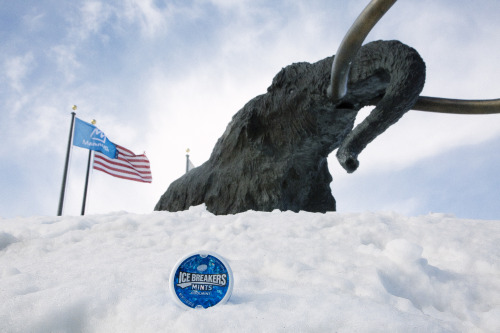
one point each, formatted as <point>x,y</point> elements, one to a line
<point>201,280</point>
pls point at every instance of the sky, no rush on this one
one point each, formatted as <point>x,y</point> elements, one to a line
<point>163,76</point>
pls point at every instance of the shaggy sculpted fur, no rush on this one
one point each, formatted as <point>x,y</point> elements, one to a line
<point>273,154</point>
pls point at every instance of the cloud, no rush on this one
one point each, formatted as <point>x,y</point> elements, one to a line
<point>17,68</point>
<point>34,20</point>
<point>66,58</point>
<point>151,19</point>
<point>93,16</point>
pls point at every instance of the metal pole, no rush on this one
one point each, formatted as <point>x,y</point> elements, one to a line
<point>65,174</point>
<point>187,160</point>
<point>86,183</point>
<point>84,202</point>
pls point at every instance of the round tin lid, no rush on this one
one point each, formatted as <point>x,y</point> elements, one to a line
<point>201,280</point>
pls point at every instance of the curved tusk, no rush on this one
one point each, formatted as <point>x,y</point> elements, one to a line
<point>351,44</point>
<point>457,106</point>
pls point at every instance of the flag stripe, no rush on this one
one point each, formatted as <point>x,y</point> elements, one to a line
<point>125,151</point>
<point>127,165</point>
<point>120,161</point>
<point>122,170</point>
<point>123,176</point>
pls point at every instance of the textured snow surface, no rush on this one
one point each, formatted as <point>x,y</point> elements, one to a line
<point>294,272</point>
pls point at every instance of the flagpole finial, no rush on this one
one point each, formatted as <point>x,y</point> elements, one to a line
<point>187,150</point>
<point>74,107</point>
<point>93,122</point>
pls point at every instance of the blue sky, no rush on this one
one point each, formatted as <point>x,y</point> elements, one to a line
<point>162,76</point>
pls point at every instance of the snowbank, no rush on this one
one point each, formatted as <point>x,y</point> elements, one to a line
<point>293,272</point>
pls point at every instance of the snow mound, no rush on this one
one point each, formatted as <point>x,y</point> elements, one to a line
<point>302,271</point>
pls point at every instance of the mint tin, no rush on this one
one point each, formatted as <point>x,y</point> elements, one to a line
<point>201,280</point>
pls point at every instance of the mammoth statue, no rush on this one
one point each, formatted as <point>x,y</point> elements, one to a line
<point>273,153</point>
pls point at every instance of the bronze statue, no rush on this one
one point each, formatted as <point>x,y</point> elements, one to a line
<point>273,154</point>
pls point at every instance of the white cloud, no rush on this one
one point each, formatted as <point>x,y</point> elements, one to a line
<point>151,19</point>
<point>17,68</point>
<point>66,59</point>
<point>34,20</point>
<point>93,15</point>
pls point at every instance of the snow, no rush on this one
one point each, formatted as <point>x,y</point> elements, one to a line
<point>299,272</point>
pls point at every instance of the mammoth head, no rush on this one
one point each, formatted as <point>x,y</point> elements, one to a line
<point>352,43</point>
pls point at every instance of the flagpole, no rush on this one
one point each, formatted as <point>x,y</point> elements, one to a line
<point>85,190</point>
<point>84,203</point>
<point>187,160</point>
<point>65,174</point>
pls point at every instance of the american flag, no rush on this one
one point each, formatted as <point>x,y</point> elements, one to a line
<point>127,165</point>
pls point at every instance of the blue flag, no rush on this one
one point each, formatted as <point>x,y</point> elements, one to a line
<point>88,136</point>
